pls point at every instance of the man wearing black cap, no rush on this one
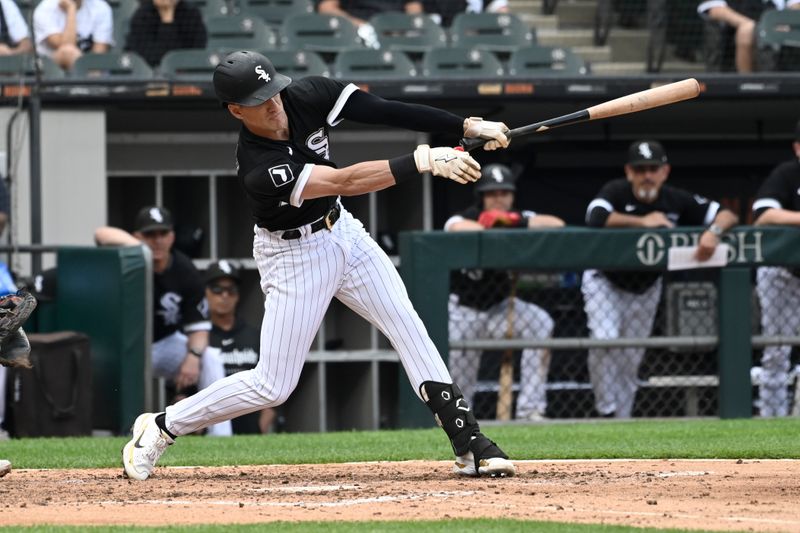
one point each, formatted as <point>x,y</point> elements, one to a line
<point>483,301</point>
<point>235,340</point>
<point>180,331</point>
<point>778,203</point>
<point>309,249</point>
<point>623,304</point>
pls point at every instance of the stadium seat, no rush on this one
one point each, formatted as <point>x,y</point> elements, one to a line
<point>274,12</point>
<point>239,32</point>
<point>373,64</point>
<point>190,64</point>
<point>319,33</point>
<point>537,60</point>
<point>460,62</point>
<point>14,67</point>
<point>778,40</point>
<point>214,8</point>
<point>111,65</point>
<point>298,63</point>
<point>497,32</point>
<point>408,33</point>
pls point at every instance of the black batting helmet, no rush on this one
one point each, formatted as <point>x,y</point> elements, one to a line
<point>495,177</point>
<point>248,79</point>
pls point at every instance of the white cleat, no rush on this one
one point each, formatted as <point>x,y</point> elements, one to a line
<point>492,467</point>
<point>5,467</point>
<point>147,444</point>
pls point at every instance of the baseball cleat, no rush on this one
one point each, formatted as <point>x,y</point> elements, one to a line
<point>5,467</point>
<point>484,458</point>
<point>147,444</point>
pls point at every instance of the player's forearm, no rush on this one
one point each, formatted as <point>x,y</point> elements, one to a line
<point>197,341</point>
<point>726,219</point>
<point>621,220</point>
<point>778,217</point>
<point>545,221</point>
<point>110,236</point>
<point>370,109</point>
<point>360,178</point>
<point>465,225</point>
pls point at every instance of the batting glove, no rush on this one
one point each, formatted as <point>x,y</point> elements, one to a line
<point>476,127</point>
<point>447,163</point>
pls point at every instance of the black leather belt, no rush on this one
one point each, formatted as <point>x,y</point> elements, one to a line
<point>325,222</point>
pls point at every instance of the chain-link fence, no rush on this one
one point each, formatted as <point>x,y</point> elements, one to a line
<point>622,344</point>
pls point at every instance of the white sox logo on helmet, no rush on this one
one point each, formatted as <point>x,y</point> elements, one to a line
<point>262,75</point>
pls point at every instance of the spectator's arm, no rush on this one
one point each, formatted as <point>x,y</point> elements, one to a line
<point>111,236</point>
<point>69,35</point>
<point>23,47</point>
<point>333,7</point>
<point>100,48</point>
<point>727,15</point>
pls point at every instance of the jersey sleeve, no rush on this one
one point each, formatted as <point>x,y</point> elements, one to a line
<point>327,97</point>
<point>696,210</point>
<point>601,207</point>
<point>279,178</point>
<point>773,194</point>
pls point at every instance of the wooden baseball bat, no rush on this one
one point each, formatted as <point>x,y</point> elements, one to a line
<point>505,383</point>
<point>632,103</point>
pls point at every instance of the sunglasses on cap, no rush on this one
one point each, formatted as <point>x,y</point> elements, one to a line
<point>219,289</point>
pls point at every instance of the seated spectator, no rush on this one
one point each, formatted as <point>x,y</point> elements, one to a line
<point>444,11</point>
<point>237,341</point>
<point>159,26</point>
<point>741,16</point>
<point>66,29</point>
<point>360,11</point>
<point>14,34</point>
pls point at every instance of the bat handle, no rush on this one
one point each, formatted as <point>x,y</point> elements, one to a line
<point>469,144</point>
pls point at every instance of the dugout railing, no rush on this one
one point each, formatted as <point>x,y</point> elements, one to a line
<point>427,259</point>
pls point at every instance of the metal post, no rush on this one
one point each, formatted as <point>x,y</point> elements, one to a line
<point>735,348</point>
<point>35,111</point>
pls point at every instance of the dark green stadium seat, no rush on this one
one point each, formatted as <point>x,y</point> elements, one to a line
<point>239,32</point>
<point>497,32</point>
<point>190,64</point>
<point>14,67</point>
<point>111,65</point>
<point>297,63</point>
<point>214,8</point>
<point>373,64</point>
<point>319,33</point>
<point>778,40</point>
<point>460,62</point>
<point>274,12</point>
<point>538,60</point>
<point>408,33</point>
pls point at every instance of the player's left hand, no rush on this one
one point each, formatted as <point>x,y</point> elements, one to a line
<point>706,245</point>
<point>476,127</point>
<point>189,372</point>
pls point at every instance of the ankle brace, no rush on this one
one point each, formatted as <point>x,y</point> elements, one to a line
<point>451,412</point>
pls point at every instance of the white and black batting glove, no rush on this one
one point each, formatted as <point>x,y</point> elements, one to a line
<point>448,163</point>
<point>476,127</point>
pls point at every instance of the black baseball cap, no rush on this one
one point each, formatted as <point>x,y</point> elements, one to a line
<point>495,177</point>
<point>222,269</point>
<point>247,78</point>
<point>646,153</point>
<point>153,218</point>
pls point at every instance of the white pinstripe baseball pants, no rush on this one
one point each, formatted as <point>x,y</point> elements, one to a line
<point>299,278</point>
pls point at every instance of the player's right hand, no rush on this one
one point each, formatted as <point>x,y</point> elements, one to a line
<point>657,219</point>
<point>448,163</point>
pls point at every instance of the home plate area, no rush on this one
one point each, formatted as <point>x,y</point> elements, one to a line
<point>754,495</point>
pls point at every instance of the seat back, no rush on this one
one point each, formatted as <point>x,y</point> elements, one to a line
<point>111,65</point>
<point>778,40</point>
<point>274,12</point>
<point>190,64</point>
<point>17,66</point>
<point>498,32</point>
<point>537,60</point>
<point>320,33</point>
<point>408,33</point>
<point>460,62</point>
<point>373,64</point>
<point>214,8</point>
<point>298,63</point>
<point>238,32</point>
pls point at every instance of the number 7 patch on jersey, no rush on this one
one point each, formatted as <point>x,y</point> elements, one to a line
<point>281,175</point>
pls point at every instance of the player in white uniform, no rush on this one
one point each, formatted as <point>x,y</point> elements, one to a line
<point>778,202</point>
<point>624,304</point>
<point>309,249</point>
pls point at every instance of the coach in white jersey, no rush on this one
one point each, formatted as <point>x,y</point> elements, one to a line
<point>623,304</point>
<point>309,249</point>
<point>67,29</point>
<point>778,203</point>
<point>14,35</point>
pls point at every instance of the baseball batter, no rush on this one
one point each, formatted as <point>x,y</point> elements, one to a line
<point>309,249</point>
<point>480,298</point>
<point>778,202</point>
<point>623,304</point>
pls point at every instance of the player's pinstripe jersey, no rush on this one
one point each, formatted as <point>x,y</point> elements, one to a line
<point>274,173</point>
<point>781,189</point>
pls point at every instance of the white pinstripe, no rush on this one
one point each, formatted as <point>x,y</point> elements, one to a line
<point>300,278</point>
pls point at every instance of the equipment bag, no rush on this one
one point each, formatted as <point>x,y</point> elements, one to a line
<point>54,398</point>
